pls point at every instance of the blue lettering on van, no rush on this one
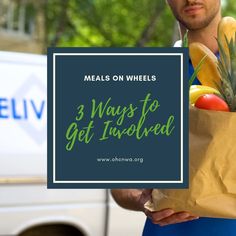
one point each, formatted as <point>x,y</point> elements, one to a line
<point>21,109</point>
<point>14,112</point>
<point>40,112</point>
<point>3,107</point>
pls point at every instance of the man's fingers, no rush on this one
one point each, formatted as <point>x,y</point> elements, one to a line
<point>168,216</point>
<point>176,218</point>
<point>192,218</point>
<point>181,221</point>
<point>160,215</point>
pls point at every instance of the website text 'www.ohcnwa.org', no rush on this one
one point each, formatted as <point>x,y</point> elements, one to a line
<point>121,160</point>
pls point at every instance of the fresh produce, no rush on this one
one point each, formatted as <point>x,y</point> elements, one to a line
<point>226,32</point>
<point>218,73</point>
<point>227,61</point>
<point>208,74</point>
<point>211,102</point>
<point>198,90</point>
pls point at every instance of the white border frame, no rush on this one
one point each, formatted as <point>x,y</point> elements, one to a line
<point>54,120</point>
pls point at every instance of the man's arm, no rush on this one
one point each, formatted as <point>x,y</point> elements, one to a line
<point>134,199</point>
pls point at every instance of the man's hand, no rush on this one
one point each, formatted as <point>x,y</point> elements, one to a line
<point>165,216</point>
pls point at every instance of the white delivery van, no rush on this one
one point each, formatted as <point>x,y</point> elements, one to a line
<point>27,207</point>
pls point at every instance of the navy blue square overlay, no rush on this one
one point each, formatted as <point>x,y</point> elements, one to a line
<point>117,118</point>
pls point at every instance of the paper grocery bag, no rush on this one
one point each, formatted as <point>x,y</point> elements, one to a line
<point>212,168</point>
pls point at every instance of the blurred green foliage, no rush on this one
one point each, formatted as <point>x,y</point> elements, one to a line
<point>113,23</point>
<point>229,8</point>
<point>110,23</point>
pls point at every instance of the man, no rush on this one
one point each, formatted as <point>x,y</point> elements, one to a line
<point>201,18</point>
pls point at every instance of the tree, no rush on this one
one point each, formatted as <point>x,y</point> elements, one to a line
<point>110,23</point>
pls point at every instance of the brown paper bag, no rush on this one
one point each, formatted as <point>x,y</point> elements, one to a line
<point>212,168</point>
